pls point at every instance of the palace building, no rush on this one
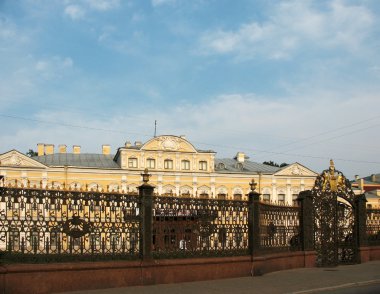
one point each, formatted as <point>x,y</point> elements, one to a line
<point>176,166</point>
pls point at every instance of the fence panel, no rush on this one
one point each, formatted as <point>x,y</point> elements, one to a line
<point>189,227</point>
<point>279,228</point>
<point>373,227</point>
<point>57,225</point>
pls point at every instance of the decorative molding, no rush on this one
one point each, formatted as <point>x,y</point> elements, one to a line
<point>295,169</point>
<point>17,159</point>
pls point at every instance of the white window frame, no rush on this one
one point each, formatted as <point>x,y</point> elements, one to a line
<point>132,162</point>
<point>203,165</point>
<point>168,164</point>
<point>185,164</point>
<point>151,163</point>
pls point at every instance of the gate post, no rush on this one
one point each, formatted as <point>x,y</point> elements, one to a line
<point>146,193</point>
<point>360,226</point>
<point>253,219</point>
<point>306,220</point>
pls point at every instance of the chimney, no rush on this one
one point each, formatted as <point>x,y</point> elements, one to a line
<point>356,177</point>
<point>106,149</point>
<point>62,148</point>
<point>49,149</point>
<point>128,144</point>
<point>240,156</point>
<point>361,184</point>
<point>76,149</point>
<point>138,143</point>
<point>41,149</point>
<point>373,178</point>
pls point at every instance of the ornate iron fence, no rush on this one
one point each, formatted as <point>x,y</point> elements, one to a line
<point>188,227</point>
<point>373,227</point>
<point>56,225</point>
<point>279,227</point>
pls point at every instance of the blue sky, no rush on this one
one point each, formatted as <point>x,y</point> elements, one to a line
<point>280,80</point>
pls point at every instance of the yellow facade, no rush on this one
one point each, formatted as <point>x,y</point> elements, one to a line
<point>176,166</point>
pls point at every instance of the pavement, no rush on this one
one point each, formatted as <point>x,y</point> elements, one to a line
<point>359,278</point>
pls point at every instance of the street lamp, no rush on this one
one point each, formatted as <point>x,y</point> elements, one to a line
<point>145,176</point>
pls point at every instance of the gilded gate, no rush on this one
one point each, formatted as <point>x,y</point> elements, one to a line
<point>335,236</point>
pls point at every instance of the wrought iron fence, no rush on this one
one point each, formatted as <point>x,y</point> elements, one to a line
<point>56,225</point>
<point>373,227</point>
<point>279,227</point>
<point>188,227</point>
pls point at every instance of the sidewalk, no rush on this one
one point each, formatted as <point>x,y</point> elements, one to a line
<point>305,280</point>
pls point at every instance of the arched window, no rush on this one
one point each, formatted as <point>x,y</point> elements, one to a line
<point>203,165</point>
<point>221,165</point>
<point>185,164</point>
<point>132,162</point>
<point>168,164</point>
<point>151,163</point>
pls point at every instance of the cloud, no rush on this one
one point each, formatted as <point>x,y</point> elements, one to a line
<point>156,3</point>
<point>75,12</point>
<point>292,26</point>
<point>53,67</point>
<point>78,10</point>
<point>228,124</point>
<point>103,5</point>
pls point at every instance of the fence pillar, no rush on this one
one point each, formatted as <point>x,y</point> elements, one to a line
<point>146,198</point>
<point>253,220</point>
<point>306,220</point>
<point>360,226</point>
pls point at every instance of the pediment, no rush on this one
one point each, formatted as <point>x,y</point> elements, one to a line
<point>169,143</point>
<point>296,169</point>
<point>15,158</point>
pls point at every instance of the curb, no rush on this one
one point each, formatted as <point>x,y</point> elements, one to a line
<point>348,285</point>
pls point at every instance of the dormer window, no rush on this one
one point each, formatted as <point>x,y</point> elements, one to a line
<point>239,166</point>
<point>221,165</point>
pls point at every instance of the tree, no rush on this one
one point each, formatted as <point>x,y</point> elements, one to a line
<point>31,153</point>
<point>272,163</point>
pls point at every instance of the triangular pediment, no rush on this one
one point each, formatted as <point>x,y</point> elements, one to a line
<point>15,158</point>
<point>296,169</point>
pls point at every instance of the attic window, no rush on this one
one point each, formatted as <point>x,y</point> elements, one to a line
<point>239,166</point>
<point>221,165</point>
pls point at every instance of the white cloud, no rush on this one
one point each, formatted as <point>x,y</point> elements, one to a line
<point>53,67</point>
<point>75,12</point>
<point>156,3</point>
<point>103,5</point>
<point>292,25</point>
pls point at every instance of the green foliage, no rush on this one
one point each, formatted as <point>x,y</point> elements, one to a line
<point>272,163</point>
<point>31,153</point>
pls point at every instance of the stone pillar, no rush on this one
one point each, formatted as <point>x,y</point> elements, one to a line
<point>361,234</point>
<point>146,198</point>
<point>253,220</point>
<point>306,220</point>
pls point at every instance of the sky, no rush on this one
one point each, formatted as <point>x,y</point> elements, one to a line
<point>287,81</point>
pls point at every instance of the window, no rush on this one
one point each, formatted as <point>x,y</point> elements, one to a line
<point>281,199</point>
<point>203,165</point>
<point>222,196</point>
<point>151,163</point>
<point>238,196</point>
<point>168,164</point>
<point>266,198</point>
<point>132,162</point>
<point>185,164</point>
<point>294,199</point>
